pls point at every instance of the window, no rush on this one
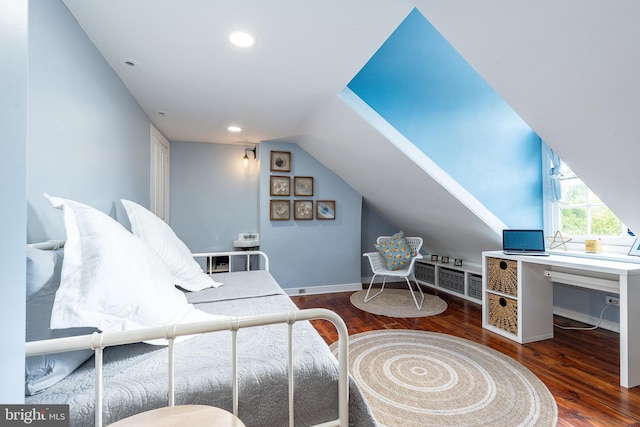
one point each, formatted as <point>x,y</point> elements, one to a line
<point>580,214</point>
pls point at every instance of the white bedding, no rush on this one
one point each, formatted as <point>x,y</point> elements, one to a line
<point>115,281</point>
<point>136,375</point>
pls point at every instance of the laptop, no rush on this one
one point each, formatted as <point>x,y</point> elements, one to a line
<point>523,242</point>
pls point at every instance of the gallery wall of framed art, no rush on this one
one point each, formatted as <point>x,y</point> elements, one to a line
<point>303,186</point>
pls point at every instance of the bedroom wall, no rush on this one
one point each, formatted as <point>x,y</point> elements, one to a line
<point>431,95</point>
<point>464,125</point>
<point>13,151</point>
<point>211,177</point>
<point>373,225</point>
<point>312,253</point>
<point>213,197</point>
<point>88,137</point>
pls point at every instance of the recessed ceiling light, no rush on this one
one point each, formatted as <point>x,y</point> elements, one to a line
<point>242,39</point>
<point>129,63</point>
<point>234,129</point>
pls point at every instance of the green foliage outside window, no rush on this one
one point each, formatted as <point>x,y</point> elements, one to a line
<point>574,221</point>
<point>582,213</point>
<point>604,222</point>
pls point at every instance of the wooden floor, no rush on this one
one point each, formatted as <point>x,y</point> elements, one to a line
<point>580,368</point>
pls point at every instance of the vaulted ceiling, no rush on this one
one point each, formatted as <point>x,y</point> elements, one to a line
<point>569,69</point>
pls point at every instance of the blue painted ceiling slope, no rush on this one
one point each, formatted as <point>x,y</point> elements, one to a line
<point>420,84</point>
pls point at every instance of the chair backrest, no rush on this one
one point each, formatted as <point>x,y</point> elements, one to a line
<point>415,243</point>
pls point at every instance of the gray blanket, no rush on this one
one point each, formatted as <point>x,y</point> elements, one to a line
<point>136,375</point>
<point>236,286</point>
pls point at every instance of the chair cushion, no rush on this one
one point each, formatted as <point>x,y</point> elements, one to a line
<point>396,251</point>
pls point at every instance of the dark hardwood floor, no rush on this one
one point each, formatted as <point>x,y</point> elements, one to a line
<point>580,368</point>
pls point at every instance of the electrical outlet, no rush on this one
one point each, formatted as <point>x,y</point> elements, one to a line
<point>302,291</point>
<point>609,299</point>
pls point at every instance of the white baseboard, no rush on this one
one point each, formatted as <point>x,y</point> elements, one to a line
<point>325,289</point>
<point>585,318</point>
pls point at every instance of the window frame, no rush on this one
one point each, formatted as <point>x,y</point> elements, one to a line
<point>552,217</point>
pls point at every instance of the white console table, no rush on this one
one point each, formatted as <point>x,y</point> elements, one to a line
<point>517,296</point>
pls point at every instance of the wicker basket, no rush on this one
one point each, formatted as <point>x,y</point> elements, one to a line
<point>502,276</point>
<point>503,313</point>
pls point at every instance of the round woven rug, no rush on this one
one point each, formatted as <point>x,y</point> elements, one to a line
<point>417,378</point>
<point>398,303</point>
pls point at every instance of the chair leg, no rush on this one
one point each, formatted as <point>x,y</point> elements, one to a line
<point>366,297</point>
<point>418,305</point>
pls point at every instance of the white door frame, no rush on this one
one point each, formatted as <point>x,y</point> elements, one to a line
<point>159,179</point>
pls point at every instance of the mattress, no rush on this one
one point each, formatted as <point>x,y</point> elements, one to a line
<point>135,375</point>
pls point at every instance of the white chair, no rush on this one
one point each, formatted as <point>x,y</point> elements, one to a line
<point>379,268</point>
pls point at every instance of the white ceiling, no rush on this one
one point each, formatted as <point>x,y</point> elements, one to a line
<point>305,53</point>
<point>570,69</point>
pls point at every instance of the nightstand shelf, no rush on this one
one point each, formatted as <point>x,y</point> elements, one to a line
<point>217,264</point>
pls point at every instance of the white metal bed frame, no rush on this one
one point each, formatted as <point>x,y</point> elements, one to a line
<point>98,341</point>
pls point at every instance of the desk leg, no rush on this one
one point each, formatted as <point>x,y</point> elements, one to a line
<point>629,331</point>
<point>536,303</point>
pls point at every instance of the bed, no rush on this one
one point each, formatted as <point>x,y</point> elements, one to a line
<point>255,325</point>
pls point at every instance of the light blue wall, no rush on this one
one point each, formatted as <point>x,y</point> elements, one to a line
<point>373,225</point>
<point>311,253</point>
<point>13,150</point>
<point>427,91</point>
<point>213,197</point>
<point>88,137</point>
<point>585,301</point>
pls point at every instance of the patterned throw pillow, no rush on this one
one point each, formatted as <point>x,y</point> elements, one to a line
<point>396,251</point>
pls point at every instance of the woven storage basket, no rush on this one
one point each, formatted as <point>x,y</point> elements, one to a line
<point>503,313</point>
<point>502,276</point>
<point>452,280</point>
<point>425,272</point>
<point>475,286</point>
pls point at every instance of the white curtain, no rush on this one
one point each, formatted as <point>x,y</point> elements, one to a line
<point>553,191</point>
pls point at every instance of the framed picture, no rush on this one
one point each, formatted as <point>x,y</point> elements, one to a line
<point>434,257</point>
<point>326,209</point>
<point>445,260</point>
<point>303,186</point>
<point>635,248</point>
<point>303,209</point>
<point>457,262</point>
<point>279,210</point>
<point>280,161</point>
<point>279,185</point>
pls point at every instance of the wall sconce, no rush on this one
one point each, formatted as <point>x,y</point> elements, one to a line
<point>245,159</point>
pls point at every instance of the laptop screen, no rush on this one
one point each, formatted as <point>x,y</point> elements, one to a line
<point>523,240</point>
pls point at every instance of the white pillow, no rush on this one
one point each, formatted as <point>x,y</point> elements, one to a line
<point>40,267</point>
<point>111,279</point>
<point>160,237</point>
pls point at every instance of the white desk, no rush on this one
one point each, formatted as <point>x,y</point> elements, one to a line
<point>517,296</point>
